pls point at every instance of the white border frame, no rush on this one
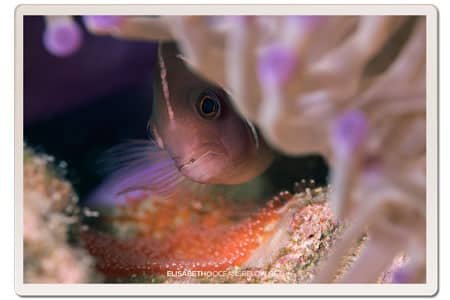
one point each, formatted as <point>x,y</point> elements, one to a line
<point>428,289</point>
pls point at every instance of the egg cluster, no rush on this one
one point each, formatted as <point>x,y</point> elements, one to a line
<point>192,240</point>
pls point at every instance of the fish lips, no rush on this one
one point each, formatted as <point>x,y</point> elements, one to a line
<point>205,167</point>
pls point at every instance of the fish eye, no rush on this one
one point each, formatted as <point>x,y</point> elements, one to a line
<point>208,105</point>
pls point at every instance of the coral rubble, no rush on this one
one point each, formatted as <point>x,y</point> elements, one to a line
<point>49,214</point>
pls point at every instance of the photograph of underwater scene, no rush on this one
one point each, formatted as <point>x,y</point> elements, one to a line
<point>255,149</point>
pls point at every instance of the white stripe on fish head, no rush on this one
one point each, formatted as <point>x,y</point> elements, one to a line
<point>254,133</point>
<point>165,86</point>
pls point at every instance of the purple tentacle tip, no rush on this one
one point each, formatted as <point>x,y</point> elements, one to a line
<point>349,131</point>
<point>240,20</point>
<point>401,275</point>
<point>311,22</point>
<point>276,65</point>
<point>62,38</point>
<point>102,22</point>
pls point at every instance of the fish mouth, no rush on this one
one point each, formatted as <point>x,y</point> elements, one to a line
<point>195,161</point>
<point>201,160</point>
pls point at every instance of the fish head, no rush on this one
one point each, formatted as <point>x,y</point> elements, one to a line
<point>195,122</point>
